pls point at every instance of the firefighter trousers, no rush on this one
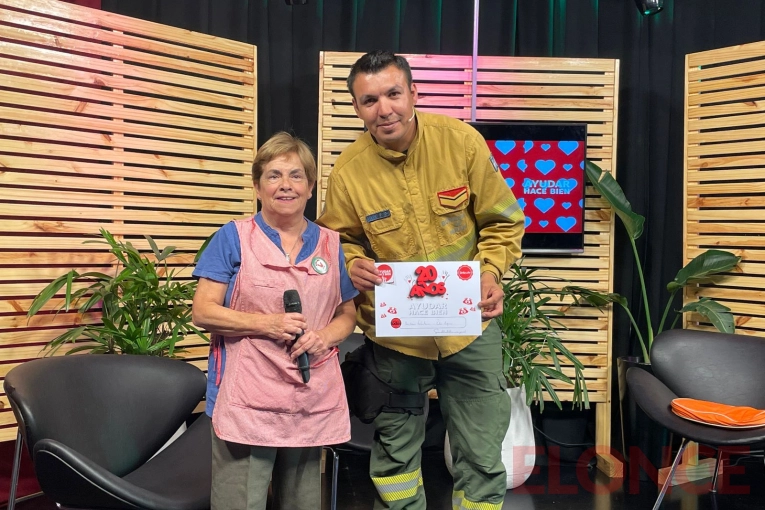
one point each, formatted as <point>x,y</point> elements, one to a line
<point>476,410</point>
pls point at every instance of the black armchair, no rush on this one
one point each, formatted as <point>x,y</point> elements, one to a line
<point>706,366</point>
<point>93,422</point>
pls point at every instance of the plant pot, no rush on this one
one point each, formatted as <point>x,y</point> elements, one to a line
<point>563,433</point>
<point>643,440</point>
<point>518,454</point>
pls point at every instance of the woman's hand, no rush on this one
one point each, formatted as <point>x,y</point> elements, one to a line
<point>283,327</point>
<point>312,342</point>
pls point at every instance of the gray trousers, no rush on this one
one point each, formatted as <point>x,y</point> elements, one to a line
<point>241,475</point>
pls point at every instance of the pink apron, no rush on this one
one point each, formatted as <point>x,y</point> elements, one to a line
<point>262,399</point>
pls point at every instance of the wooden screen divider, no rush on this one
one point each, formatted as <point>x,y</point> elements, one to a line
<point>518,89</point>
<point>109,121</point>
<point>725,177</point>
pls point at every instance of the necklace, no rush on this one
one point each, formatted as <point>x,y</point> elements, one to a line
<point>299,238</point>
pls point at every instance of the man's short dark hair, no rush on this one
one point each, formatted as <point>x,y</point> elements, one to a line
<point>374,62</point>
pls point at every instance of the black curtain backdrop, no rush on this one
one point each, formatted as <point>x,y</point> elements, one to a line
<point>651,50</point>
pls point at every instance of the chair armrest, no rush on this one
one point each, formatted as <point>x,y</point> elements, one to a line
<point>652,395</point>
<point>74,480</point>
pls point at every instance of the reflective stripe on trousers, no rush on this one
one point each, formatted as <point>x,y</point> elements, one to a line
<point>398,487</point>
<point>460,502</point>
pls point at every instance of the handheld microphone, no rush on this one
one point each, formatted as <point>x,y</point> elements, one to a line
<point>292,305</point>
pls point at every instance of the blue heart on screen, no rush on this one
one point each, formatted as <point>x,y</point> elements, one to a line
<point>581,165</point>
<point>545,165</point>
<point>568,184</point>
<point>581,203</point>
<point>522,166</point>
<point>565,222</point>
<point>504,146</point>
<point>544,223</point>
<point>545,146</point>
<point>568,166</point>
<point>510,182</point>
<point>566,205</point>
<point>528,221</point>
<point>527,146</point>
<point>544,204</point>
<point>504,166</point>
<point>568,147</point>
<point>522,203</point>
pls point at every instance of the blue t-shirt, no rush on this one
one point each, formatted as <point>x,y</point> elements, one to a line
<point>220,262</point>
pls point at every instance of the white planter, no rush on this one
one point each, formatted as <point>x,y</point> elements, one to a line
<point>518,453</point>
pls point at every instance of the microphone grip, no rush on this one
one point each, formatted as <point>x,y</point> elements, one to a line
<point>305,370</point>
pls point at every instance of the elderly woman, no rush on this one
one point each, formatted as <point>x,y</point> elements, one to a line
<point>268,422</point>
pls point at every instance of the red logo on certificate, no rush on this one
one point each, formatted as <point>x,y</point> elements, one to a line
<point>464,272</point>
<point>395,323</point>
<point>386,272</point>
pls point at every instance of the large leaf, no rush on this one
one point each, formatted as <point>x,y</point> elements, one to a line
<point>704,266</point>
<point>594,298</point>
<point>719,315</point>
<point>203,247</point>
<point>605,183</point>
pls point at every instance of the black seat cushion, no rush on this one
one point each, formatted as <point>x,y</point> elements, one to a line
<point>178,478</point>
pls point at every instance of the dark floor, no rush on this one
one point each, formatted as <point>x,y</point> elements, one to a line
<point>552,488</point>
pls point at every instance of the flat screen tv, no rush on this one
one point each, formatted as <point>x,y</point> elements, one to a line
<point>543,163</point>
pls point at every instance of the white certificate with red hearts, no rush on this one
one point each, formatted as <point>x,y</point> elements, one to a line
<point>428,299</point>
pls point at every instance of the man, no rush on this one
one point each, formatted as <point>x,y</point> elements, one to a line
<point>424,187</point>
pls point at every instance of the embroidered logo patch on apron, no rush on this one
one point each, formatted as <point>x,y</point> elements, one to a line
<point>453,198</point>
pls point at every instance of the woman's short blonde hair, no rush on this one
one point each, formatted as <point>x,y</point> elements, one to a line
<point>278,145</point>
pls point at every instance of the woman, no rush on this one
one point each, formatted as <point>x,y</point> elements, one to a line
<point>266,420</point>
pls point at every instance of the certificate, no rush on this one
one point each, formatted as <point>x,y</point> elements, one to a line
<point>428,299</point>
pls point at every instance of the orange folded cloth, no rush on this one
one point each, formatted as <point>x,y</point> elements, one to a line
<point>719,415</point>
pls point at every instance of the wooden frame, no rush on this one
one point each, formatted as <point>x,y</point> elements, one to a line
<point>724,190</point>
<point>109,121</point>
<point>509,88</point>
<point>724,176</point>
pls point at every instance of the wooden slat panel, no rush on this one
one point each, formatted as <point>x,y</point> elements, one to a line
<point>172,35</point>
<point>98,198</point>
<point>204,86</point>
<point>84,100</point>
<point>725,181</point>
<point>126,128</point>
<point>108,121</point>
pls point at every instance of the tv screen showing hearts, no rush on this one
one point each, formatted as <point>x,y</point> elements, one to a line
<point>547,178</point>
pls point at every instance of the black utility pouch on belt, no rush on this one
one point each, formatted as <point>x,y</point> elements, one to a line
<point>367,395</point>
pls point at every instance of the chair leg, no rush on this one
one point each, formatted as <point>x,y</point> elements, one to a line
<point>671,474</point>
<point>717,470</point>
<point>335,471</point>
<point>15,471</point>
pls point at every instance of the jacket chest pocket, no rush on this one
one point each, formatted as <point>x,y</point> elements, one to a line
<point>452,221</point>
<point>390,235</point>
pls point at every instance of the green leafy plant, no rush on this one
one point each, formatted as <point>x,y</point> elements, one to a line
<point>145,310</point>
<point>707,267</point>
<point>531,347</point>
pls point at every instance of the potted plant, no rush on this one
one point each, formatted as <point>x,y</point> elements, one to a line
<point>532,353</point>
<point>705,268</point>
<point>144,308</point>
